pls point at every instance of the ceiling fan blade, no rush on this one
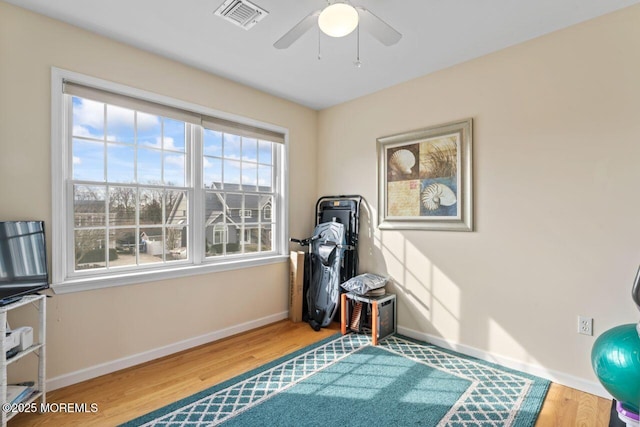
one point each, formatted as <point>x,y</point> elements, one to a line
<point>297,31</point>
<point>379,29</point>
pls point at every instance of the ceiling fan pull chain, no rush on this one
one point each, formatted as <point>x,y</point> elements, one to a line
<point>319,37</point>
<point>358,63</point>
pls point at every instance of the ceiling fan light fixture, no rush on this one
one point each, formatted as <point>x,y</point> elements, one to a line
<point>338,20</point>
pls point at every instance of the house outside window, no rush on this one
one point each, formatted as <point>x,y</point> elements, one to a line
<point>150,187</point>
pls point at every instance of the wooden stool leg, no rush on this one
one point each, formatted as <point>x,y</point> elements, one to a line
<point>374,322</point>
<point>343,313</point>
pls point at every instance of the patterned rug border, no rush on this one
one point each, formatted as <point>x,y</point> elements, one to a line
<point>532,401</point>
<point>534,398</point>
<point>231,381</point>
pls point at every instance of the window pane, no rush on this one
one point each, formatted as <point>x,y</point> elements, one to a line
<point>176,203</point>
<point>123,241</point>
<point>214,208</point>
<point>212,143</point>
<point>176,243</point>
<point>233,220</point>
<point>174,169</point>
<point>152,247</point>
<point>232,147</point>
<point>233,202</point>
<point>216,236</point>
<point>252,208</point>
<point>250,149</point>
<point>149,130</point>
<point>265,150</point>
<point>122,206</point>
<point>266,238</point>
<point>265,180</point>
<point>90,249</point>
<point>120,163</point>
<point>266,207</point>
<point>150,206</point>
<point>174,135</point>
<point>88,160</point>
<point>149,166</point>
<point>249,175</point>
<point>120,124</point>
<point>88,118</point>
<point>212,172</point>
<point>234,234</point>
<point>232,173</point>
<point>251,236</point>
<point>89,206</point>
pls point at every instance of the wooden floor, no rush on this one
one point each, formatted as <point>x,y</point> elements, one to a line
<point>127,394</point>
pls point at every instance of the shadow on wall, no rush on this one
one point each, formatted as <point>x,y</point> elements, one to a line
<point>430,300</point>
<point>413,288</point>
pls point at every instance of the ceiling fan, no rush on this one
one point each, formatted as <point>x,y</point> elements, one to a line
<point>339,19</point>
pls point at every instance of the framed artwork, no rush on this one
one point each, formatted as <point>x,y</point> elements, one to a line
<point>425,178</point>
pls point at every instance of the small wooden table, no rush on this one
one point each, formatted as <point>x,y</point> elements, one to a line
<point>382,319</point>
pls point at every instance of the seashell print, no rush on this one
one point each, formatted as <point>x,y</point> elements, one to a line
<point>402,161</point>
<point>436,195</point>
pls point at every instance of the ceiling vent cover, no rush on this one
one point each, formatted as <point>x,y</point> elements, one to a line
<point>241,12</point>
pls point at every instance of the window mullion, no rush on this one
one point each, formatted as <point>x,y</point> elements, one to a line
<point>70,193</point>
<point>279,219</point>
<point>197,229</point>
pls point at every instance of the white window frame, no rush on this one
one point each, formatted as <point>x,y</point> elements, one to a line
<point>64,280</point>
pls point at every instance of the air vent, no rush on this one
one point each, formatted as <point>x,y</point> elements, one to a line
<point>241,12</point>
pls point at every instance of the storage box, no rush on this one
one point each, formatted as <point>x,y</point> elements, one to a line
<point>296,285</point>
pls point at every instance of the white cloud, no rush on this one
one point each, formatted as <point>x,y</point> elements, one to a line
<point>156,143</point>
<point>175,160</point>
<point>88,113</point>
<point>85,132</point>
<point>91,113</point>
<point>169,144</point>
<point>76,160</point>
<point>147,121</point>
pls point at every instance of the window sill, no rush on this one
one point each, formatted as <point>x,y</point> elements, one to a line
<point>130,278</point>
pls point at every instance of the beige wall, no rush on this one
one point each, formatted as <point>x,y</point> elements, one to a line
<point>94,327</point>
<point>557,167</point>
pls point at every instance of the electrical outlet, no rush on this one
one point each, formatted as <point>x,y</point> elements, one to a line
<point>585,325</point>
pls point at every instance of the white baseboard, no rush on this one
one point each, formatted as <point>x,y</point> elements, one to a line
<point>136,359</point>
<point>581,384</point>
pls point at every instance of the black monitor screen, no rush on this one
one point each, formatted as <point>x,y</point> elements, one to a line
<point>23,259</point>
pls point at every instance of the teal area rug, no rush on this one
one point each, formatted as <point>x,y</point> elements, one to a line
<point>344,380</point>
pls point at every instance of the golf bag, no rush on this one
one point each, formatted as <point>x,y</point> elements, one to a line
<point>332,258</point>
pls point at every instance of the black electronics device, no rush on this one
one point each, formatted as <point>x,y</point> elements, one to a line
<point>23,259</point>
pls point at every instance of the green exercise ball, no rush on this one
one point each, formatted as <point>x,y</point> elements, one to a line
<point>615,358</point>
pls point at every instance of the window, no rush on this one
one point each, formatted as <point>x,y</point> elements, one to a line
<point>130,190</point>
<point>152,189</point>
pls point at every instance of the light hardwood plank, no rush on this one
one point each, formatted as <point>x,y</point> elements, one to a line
<point>127,394</point>
<point>565,406</point>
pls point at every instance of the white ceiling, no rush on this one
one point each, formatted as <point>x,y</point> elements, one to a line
<point>436,34</point>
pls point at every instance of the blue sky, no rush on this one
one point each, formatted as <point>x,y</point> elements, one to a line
<point>157,143</point>
<point>160,141</point>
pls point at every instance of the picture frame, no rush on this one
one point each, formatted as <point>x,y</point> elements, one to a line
<point>425,178</point>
